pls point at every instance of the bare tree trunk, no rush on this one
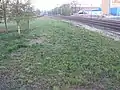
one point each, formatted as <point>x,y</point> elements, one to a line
<point>4,15</point>
<point>5,20</point>
<point>28,24</point>
<point>18,28</point>
<point>17,17</point>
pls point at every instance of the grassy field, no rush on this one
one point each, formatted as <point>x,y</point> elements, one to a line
<point>56,54</point>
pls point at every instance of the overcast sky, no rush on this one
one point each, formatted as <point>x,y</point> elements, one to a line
<point>50,4</point>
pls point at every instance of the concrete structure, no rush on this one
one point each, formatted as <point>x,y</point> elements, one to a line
<point>106,7</point>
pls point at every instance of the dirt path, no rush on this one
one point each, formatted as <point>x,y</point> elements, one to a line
<point>2,30</point>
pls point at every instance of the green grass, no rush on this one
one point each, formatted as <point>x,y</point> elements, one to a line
<point>68,56</point>
<point>13,27</point>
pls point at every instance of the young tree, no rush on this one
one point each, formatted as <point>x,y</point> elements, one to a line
<point>37,12</point>
<point>21,10</point>
<point>4,10</point>
<point>66,10</point>
<point>74,4</point>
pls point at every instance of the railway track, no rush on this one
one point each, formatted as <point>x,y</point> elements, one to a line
<point>109,24</point>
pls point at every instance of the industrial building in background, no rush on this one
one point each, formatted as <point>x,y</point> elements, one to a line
<point>111,7</point>
<point>108,7</point>
<point>115,7</point>
<point>105,9</point>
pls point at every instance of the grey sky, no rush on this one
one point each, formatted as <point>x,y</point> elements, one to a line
<point>49,4</point>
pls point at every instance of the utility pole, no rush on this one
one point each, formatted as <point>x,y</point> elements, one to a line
<point>57,9</point>
<point>61,10</point>
<point>91,11</point>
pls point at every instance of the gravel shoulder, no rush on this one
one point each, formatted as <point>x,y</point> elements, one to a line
<point>104,31</point>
